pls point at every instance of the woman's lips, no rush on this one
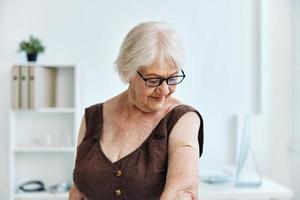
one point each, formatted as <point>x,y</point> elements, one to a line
<point>158,98</point>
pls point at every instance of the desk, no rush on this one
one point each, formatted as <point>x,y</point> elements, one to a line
<point>269,190</point>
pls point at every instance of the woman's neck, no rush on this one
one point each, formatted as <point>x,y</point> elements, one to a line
<point>129,104</point>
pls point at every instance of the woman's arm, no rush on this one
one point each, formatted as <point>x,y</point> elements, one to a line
<point>74,194</point>
<point>183,163</point>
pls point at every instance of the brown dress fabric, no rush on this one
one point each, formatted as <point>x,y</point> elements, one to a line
<point>141,175</point>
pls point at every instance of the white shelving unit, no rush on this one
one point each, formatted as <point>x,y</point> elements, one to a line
<point>44,149</point>
<point>40,195</point>
<point>43,139</point>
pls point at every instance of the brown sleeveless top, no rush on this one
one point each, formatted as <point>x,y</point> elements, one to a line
<point>139,175</point>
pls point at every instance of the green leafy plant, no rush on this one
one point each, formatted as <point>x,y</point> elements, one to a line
<point>32,46</point>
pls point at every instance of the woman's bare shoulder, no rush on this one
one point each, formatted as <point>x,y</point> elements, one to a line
<point>112,102</point>
<point>174,102</point>
<point>113,105</point>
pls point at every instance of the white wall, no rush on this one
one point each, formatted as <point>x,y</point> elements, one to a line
<point>220,42</point>
<point>273,127</point>
<point>296,96</point>
<point>296,64</point>
<point>4,102</point>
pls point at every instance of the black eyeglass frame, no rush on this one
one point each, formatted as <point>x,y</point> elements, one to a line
<point>163,79</point>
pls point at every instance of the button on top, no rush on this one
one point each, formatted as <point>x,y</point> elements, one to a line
<point>118,173</point>
<point>118,192</point>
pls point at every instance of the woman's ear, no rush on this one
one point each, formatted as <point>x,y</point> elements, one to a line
<point>131,79</point>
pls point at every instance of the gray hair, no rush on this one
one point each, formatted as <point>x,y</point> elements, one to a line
<point>146,43</point>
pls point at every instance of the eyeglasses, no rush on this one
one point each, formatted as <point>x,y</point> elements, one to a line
<point>154,82</point>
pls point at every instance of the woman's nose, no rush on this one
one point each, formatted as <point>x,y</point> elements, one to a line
<point>163,88</point>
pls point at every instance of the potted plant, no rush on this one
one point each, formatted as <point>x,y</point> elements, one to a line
<point>32,48</point>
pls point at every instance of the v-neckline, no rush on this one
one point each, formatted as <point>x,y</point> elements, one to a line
<point>100,131</point>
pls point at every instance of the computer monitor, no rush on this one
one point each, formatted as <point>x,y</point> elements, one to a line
<point>244,149</point>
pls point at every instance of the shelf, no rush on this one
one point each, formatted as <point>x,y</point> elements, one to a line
<point>44,150</point>
<point>40,195</point>
<point>48,110</point>
<point>35,64</point>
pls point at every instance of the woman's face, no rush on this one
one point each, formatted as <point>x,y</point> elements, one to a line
<point>150,99</point>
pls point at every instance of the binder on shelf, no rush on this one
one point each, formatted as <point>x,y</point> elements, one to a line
<point>42,87</point>
<point>24,94</point>
<point>16,86</point>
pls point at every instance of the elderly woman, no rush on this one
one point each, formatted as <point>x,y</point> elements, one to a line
<point>142,144</point>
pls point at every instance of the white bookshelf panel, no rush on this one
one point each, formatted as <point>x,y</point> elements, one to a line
<point>45,150</point>
<point>36,129</point>
<point>41,196</point>
<point>54,110</point>
<point>47,110</point>
<point>51,169</point>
